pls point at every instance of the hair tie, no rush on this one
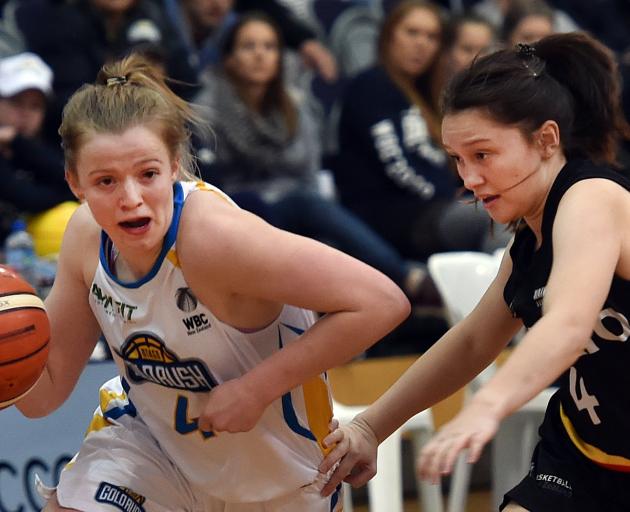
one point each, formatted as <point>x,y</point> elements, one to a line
<point>532,62</point>
<point>116,80</point>
<point>525,50</point>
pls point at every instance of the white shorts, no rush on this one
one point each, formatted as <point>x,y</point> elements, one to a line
<point>121,467</point>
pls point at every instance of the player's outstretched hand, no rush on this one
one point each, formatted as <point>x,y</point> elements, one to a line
<point>355,447</point>
<point>231,407</point>
<point>470,430</point>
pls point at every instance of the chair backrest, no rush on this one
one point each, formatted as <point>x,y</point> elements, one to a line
<point>361,382</point>
<point>462,278</point>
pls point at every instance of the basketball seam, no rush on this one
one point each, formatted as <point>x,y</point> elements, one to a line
<point>18,308</point>
<point>4,363</point>
<point>17,332</point>
<point>18,292</point>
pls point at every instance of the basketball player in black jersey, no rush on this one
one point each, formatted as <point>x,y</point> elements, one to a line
<point>533,131</point>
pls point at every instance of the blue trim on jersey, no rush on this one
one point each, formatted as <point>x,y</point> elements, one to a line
<point>130,408</point>
<point>296,330</point>
<point>335,498</point>
<point>288,411</point>
<point>169,240</point>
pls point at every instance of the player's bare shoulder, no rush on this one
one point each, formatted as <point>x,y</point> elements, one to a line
<point>210,223</point>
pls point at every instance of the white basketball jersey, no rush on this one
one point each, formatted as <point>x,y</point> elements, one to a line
<point>171,350</point>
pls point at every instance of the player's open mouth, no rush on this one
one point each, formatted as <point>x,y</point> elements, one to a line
<point>135,224</point>
<point>489,199</point>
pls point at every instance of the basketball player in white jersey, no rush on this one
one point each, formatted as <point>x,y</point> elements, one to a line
<point>222,401</point>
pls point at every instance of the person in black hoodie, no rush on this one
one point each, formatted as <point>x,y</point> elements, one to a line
<point>390,168</point>
<point>31,171</point>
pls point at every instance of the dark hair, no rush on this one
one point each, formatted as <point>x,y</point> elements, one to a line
<point>276,96</point>
<point>571,79</point>
<point>127,93</point>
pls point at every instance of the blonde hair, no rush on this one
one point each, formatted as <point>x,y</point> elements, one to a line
<point>127,93</point>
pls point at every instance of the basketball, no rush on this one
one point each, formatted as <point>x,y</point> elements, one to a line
<point>24,337</point>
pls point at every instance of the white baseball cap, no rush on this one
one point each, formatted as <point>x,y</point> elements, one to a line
<point>22,72</point>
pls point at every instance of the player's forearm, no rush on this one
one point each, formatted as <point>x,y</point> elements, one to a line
<point>433,377</point>
<point>333,340</point>
<point>548,349</point>
<point>39,401</point>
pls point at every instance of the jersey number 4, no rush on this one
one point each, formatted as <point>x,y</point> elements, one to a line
<point>585,401</point>
<point>184,424</point>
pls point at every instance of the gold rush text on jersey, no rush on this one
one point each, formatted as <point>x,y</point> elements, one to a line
<point>147,359</point>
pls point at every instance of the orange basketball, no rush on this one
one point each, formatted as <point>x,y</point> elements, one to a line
<point>24,337</point>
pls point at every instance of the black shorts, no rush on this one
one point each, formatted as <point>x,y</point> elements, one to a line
<point>561,479</point>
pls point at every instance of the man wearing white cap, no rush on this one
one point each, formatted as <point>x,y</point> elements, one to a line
<point>25,81</point>
<point>31,171</point>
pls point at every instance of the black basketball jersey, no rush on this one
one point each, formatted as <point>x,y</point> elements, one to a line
<point>592,405</point>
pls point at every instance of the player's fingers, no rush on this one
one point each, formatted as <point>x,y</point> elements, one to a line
<point>361,476</point>
<point>430,460</point>
<point>425,459</point>
<point>450,455</point>
<point>474,451</point>
<point>334,455</point>
<point>333,425</point>
<point>204,424</point>
<point>341,472</point>
<point>333,438</point>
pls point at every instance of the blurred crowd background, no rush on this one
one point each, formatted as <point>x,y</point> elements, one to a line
<point>321,116</point>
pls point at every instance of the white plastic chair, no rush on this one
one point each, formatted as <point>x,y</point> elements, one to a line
<point>462,278</point>
<point>385,490</point>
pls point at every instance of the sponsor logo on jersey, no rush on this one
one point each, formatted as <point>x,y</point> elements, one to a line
<point>539,294</point>
<point>554,483</point>
<point>147,359</point>
<point>185,300</point>
<point>120,497</point>
<point>196,323</point>
<point>111,306</point>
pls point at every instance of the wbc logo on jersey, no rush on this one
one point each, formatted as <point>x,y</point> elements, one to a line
<point>187,302</point>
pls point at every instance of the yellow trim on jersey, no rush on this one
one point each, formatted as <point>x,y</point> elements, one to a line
<point>199,185</point>
<point>172,257</point>
<point>99,421</point>
<point>318,409</point>
<point>20,300</point>
<point>614,462</point>
<point>202,185</point>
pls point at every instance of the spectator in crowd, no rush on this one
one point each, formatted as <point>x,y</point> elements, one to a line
<point>466,36</point>
<point>495,11</point>
<point>202,23</point>
<point>31,171</point>
<point>527,21</point>
<point>77,38</point>
<point>264,151</point>
<point>391,169</point>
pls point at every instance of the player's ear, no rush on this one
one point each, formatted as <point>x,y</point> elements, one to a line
<point>175,166</point>
<point>547,138</point>
<point>73,183</point>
